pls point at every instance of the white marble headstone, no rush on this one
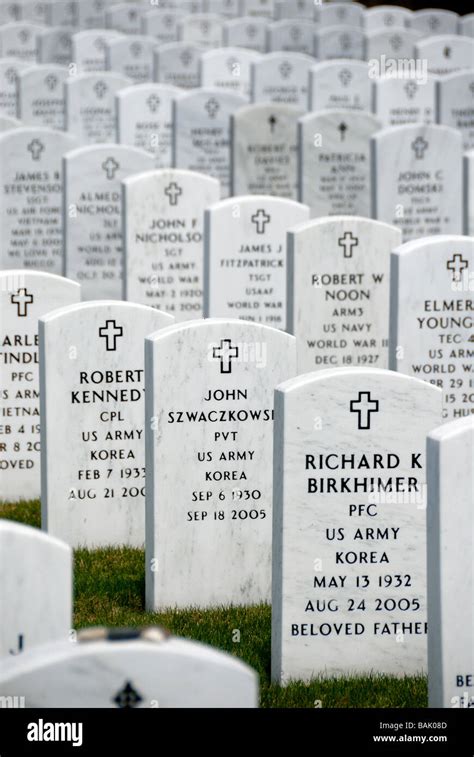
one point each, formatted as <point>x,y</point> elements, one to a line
<point>386,17</point>
<point>203,29</point>
<point>330,14</point>
<point>129,668</point>
<point>131,56</point>
<point>339,42</point>
<point>178,64</point>
<point>41,96</point>
<point>208,513</point>
<point>338,292</point>
<point>92,421</point>
<point>248,32</point>
<point>433,22</point>
<point>431,325</point>
<point>245,258</point>
<point>450,457</point>
<point>89,48</point>
<point>62,13</point>
<point>202,132</point>
<point>10,69</point>
<point>145,119</point>
<point>35,590</point>
<point>55,46</point>
<point>228,68</point>
<point>30,170</point>
<point>417,179</point>
<point>93,219</point>
<point>125,17</point>
<point>394,43</point>
<point>91,14</point>
<point>400,100</point>
<point>224,8</point>
<point>446,53</point>
<point>24,297</point>
<point>282,78</point>
<point>90,106</point>
<point>334,169</point>
<point>163,213</point>
<point>349,526</point>
<point>455,103</point>
<point>339,84</point>
<point>162,24</point>
<point>468,205</point>
<point>19,40</point>
<point>291,35</point>
<point>265,150</point>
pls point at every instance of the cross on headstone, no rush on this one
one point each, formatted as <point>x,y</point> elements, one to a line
<point>345,41</point>
<point>51,81</point>
<point>273,122</point>
<point>173,191</point>
<point>251,31</point>
<point>348,242</point>
<point>396,42</point>
<point>260,219</point>
<point>22,299</point>
<point>99,44</point>
<point>433,22</point>
<point>110,166</point>
<point>153,103</point>
<point>447,52</point>
<point>457,265</point>
<point>285,69</point>
<point>186,57</point>
<point>345,77</point>
<point>128,697</point>
<point>419,145</point>
<point>36,147</point>
<point>411,88</point>
<point>225,353</point>
<point>100,88</point>
<point>20,645</point>
<point>388,19</point>
<point>110,332</point>
<point>364,406</point>
<point>295,33</point>
<point>342,128</point>
<point>212,107</point>
<point>24,36</point>
<point>135,49</point>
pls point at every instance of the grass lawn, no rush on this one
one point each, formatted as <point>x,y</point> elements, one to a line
<point>109,590</point>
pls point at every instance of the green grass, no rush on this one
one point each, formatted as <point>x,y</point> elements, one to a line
<point>109,590</point>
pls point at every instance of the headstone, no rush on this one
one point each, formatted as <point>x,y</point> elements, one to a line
<point>339,42</point>
<point>260,8</point>
<point>202,134</point>
<point>395,43</point>
<point>417,179</point>
<point>10,69</point>
<point>450,452</point>
<point>24,297</point>
<point>35,591</point>
<point>124,668</point>
<point>433,22</point>
<point>203,29</point>
<point>55,46</point>
<point>41,96</point>
<point>7,123</point>
<point>291,35</point>
<point>178,64</point>
<point>162,25</point>
<point>349,563</point>
<point>89,48</point>
<point>334,176</point>
<point>31,198</point>
<point>466,25</point>
<point>245,258</point>
<point>92,385</point>
<point>19,40</point>
<point>163,234</point>
<point>469,193</point>
<point>282,78</point>
<point>228,68</point>
<point>34,11</point>
<point>400,100</point>
<point>246,32</point>
<point>386,17</point>
<point>294,9</point>
<point>338,292</point>
<point>91,14</point>
<point>145,119</point>
<point>131,56</point>
<point>208,509</point>
<point>339,84</point>
<point>265,150</point>
<point>63,13</point>
<point>90,106</point>
<point>455,104</point>
<point>334,14</point>
<point>446,54</point>
<point>431,330</point>
<point>124,17</point>
<point>10,12</point>
<point>93,218</point>
<point>224,8</point>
